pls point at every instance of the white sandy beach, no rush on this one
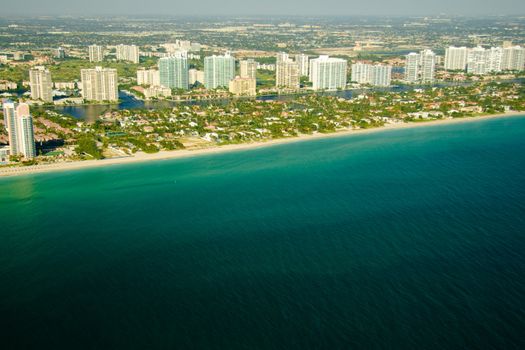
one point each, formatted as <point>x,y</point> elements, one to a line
<point>144,157</point>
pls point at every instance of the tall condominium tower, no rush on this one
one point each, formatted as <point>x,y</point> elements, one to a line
<point>477,61</point>
<point>412,67</point>
<point>287,72</point>
<point>380,75</point>
<point>456,58</point>
<point>495,56</point>
<point>428,66</point>
<point>376,75</point>
<point>128,53</point>
<point>361,73</point>
<point>96,53</point>
<point>174,71</point>
<point>99,84</point>
<point>41,84</point>
<point>218,71</point>
<point>248,69</point>
<point>60,53</point>
<point>483,61</point>
<point>327,73</point>
<point>20,129</point>
<point>302,61</point>
<point>513,58</point>
<point>10,125</point>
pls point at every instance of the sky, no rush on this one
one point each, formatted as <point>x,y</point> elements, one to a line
<point>262,7</point>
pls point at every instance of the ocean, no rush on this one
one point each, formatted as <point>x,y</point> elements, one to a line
<point>402,239</point>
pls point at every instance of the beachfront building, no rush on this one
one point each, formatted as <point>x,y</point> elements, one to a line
<point>41,84</point>
<point>174,71</point>
<point>456,58</point>
<point>96,53</point>
<point>148,77</point>
<point>248,69</point>
<point>327,73</point>
<point>218,71</point>
<point>19,125</point>
<point>99,84</point>
<point>243,86</point>
<point>195,76</point>
<point>373,74</point>
<point>128,53</point>
<point>303,63</point>
<point>287,72</point>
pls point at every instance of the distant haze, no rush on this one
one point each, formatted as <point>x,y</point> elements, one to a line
<point>262,7</point>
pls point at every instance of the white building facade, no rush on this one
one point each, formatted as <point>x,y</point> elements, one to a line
<point>327,73</point>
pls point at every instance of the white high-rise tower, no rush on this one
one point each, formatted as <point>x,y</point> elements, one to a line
<point>20,130</point>
<point>328,73</point>
<point>99,84</point>
<point>96,53</point>
<point>41,84</point>
<point>456,58</point>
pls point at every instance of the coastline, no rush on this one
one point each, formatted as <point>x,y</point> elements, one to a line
<point>164,155</point>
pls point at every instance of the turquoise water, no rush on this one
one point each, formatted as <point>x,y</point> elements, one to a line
<point>405,239</point>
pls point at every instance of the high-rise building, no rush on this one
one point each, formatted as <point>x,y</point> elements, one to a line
<point>477,61</point>
<point>218,71</point>
<point>361,73</point>
<point>328,73</point>
<point>412,67</point>
<point>381,75</point>
<point>456,58</point>
<point>41,84</point>
<point>96,54</point>
<point>60,53</point>
<point>26,136</point>
<point>483,61</point>
<point>20,130</point>
<point>286,72</point>
<point>495,56</point>
<point>420,67</point>
<point>376,75</point>
<point>513,58</point>
<point>148,77</point>
<point>128,53</point>
<point>99,84</point>
<point>302,61</point>
<point>196,76</point>
<point>10,125</point>
<point>428,66</point>
<point>174,71</point>
<point>243,86</point>
<point>248,69</point>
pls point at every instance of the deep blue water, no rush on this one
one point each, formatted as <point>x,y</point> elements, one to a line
<point>403,239</point>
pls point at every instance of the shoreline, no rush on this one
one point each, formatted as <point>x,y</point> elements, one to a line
<point>165,155</point>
